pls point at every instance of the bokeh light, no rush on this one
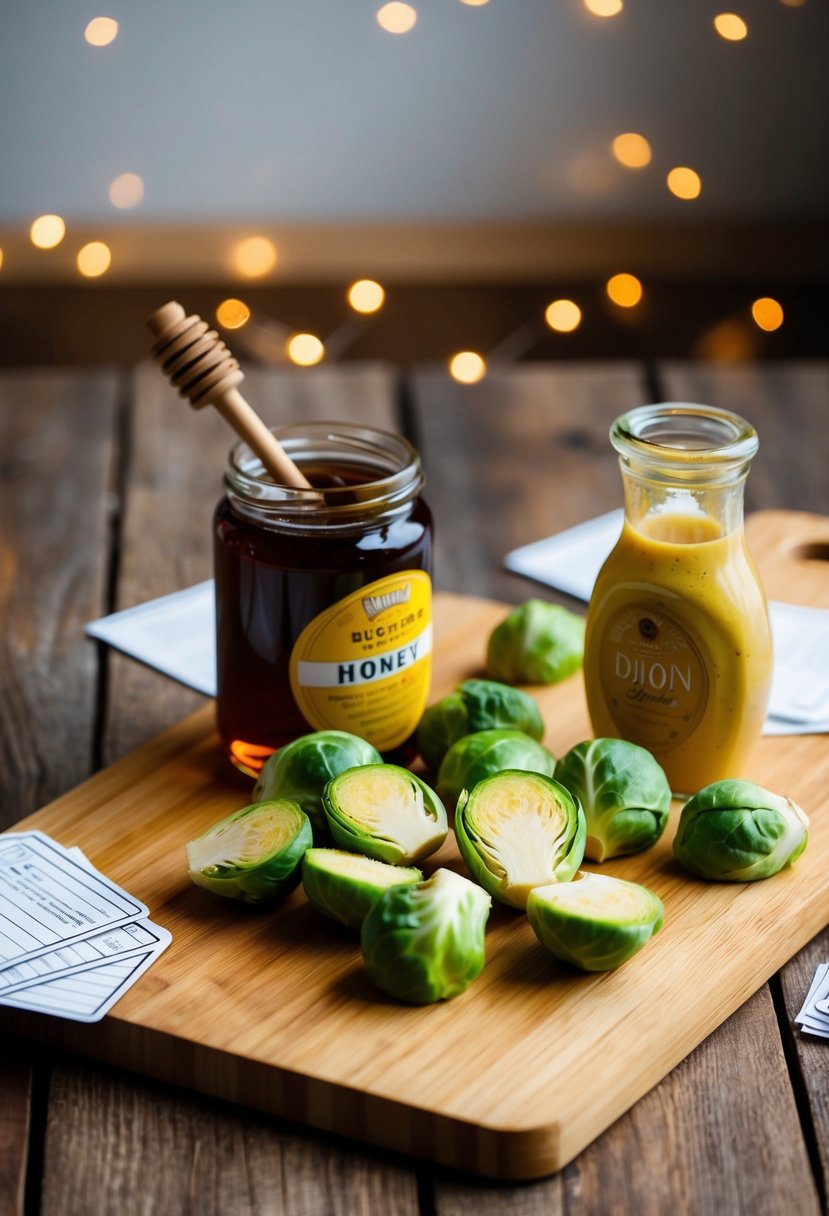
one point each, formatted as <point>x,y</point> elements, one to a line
<point>1,259</point>
<point>767,313</point>
<point>101,31</point>
<point>232,314</point>
<point>474,3</point>
<point>731,27</point>
<point>396,18</point>
<point>563,316</point>
<point>366,296</point>
<point>126,191</point>
<point>624,290</point>
<point>632,150</point>
<point>467,367</point>
<point>254,256</point>
<point>47,231</point>
<point>305,349</point>
<point>604,8</point>
<point>684,182</point>
<point>94,259</point>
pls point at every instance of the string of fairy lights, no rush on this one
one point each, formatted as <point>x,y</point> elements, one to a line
<point>256,257</point>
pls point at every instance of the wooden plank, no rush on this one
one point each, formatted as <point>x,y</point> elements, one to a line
<point>57,443</point>
<point>277,1012</point>
<point>514,458</point>
<point>126,1140</point>
<point>176,462</point>
<point>787,402</point>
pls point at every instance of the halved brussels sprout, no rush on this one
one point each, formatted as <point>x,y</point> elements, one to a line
<point>425,942</point>
<point>343,886</point>
<point>623,791</point>
<point>385,812</point>
<point>475,705</point>
<point>538,643</point>
<point>735,831</point>
<point>519,830</point>
<point>486,752</point>
<point>594,922</point>
<point>254,854</point>
<point>302,769</point>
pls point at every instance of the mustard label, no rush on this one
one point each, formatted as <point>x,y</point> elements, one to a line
<point>654,677</point>
<point>364,665</point>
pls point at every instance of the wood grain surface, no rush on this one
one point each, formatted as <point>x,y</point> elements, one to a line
<point>704,1140</point>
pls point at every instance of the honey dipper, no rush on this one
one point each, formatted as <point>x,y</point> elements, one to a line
<point>196,361</point>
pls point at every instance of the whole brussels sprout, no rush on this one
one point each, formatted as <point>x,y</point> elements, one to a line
<point>735,831</point>
<point>386,812</point>
<point>538,643</point>
<point>475,705</point>
<point>302,769</point>
<point>518,830</point>
<point>254,854</point>
<point>425,942</point>
<point>486,752</point>
<point>594,922</point>
<point>344,886</point>
<point>624,793</point>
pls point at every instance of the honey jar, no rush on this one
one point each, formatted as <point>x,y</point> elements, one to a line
<point>323,596</point>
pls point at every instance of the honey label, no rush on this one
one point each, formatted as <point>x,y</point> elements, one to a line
<point>654,677</point>
<point>365,664</point>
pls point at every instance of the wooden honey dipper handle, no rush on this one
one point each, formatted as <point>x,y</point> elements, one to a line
<point>196,361</point>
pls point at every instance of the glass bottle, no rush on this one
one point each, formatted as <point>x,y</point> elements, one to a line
<point>323,596</point>
<point>678,654</point>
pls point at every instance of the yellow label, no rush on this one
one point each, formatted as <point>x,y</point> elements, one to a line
<point>364,665</point>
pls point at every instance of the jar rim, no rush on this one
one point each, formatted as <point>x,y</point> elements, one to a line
<point>684,433</point>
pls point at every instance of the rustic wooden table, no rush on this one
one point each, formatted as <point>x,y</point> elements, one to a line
<point>106,488</point>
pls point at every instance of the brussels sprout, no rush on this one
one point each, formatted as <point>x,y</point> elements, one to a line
<point>594,922</point>
<point>425,942</point>
<point>623,791</point>
<point>302,769</point>
<point>253,854</point>
<point>519,830</point>
<point>475,705</point>
<point>385,812</point>
<point>736,831</point>
<point>538,643</point>
<point>343,886</point>
<point>486,752</point>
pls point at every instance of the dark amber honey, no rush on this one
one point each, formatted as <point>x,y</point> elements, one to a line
<point>275,576</point>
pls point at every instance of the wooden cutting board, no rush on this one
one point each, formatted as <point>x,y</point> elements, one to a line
<point>513,1078</point>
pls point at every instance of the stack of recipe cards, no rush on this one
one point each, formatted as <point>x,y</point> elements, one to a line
<point>814,1016</point>
<point>71,941</point>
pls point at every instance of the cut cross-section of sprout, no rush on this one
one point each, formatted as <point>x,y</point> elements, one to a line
<point>518,830</point>
<point>386,812</point>
<point>344,886</point>
<point>253,854</point>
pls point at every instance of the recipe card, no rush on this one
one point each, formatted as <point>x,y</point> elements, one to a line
<point>88,996</point>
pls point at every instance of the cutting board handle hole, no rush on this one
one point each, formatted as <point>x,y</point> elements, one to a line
<point>812,551</point>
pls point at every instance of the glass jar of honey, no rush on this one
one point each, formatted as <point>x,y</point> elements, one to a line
<point>323,596</point>
<point>678,653</point>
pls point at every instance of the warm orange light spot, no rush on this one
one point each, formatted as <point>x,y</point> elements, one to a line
<point>47,231</point>
<point>684,182</point>
<point>731,27</point>
<point>305,349</point>
<point>467,367</point>
<point>396,18</point>
<point>101,31</point>
<point>793,3</point>
<point>624,290</point>
<point>767,313</point>
<point>1,259</point>
<point>94,259</point>
<point>126,191</point>
<point>604,8</point>
<point>474,3</point>
<point>563,316</point>
<point>632,150</point>
<point>366,296</point>
<point>254,256</point>
<point>232,314</point>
